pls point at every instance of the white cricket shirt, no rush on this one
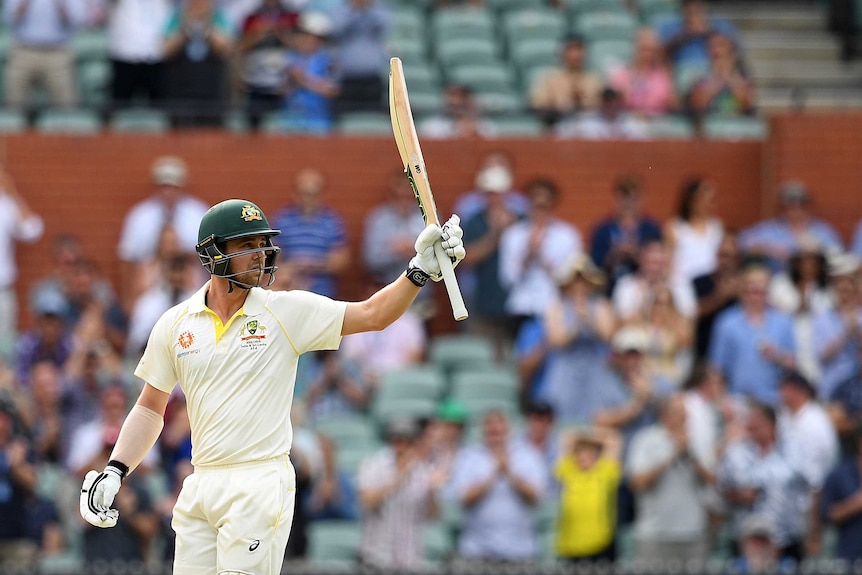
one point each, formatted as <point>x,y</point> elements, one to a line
<point>238,379</point>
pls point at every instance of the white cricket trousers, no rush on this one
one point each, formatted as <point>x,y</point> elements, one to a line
<point>235,518</point>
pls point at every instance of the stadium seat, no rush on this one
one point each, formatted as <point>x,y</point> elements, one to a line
<point>426,382</point>
<point>518,126</point>
<point>365,124</point>
<point>575,8</point>
<point>718,127</point>
<point>12,121</point>
<point>605,55</point>
<point>349,431</point>
<point>533,52</point>
<point>412,51</point>
<point>532,74</point>
<point>437,542</point>
<point>456,351</point>
<point>649,9</point>
<point>467,51</point>
<point>503,6</point>
<point>533,24</point>
<point>424,103</point>
<point>497,382</point>
<point>348,458</point>
<point>140,120</point>
<point>5,43</point>
<point>670,127</point>
<point>492,79</point>
<point>605,26</point>
<point>80,122</point>
<point>422,77</point>
<point>456,23</point>
<point>90,45</point>
<point>385,409</point>
<point>333,540</point>
<point>94,79</point>
<point>406,22</point>
<point>477,407</point>
<point>235,122</point>
<point>506,102</point>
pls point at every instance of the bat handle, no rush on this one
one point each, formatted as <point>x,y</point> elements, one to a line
<point>459,310</point>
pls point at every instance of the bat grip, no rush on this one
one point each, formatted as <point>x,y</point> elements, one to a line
<point>459,310</point>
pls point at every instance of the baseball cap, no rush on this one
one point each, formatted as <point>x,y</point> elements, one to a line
<point>402,427</point>
<point>630,338</point>
<point>48,302</point>
<point>169,171</point>
<point>793,192</point>
<point>496,179</point>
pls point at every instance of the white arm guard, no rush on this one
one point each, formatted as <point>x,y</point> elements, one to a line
<point>137,436</point>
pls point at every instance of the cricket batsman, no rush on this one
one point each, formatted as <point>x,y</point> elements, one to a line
<point>233,348</point>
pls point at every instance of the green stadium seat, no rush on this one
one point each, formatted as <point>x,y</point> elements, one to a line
<point>147,120</point>
<point>531,75</point>
<point>348,458</point>
<point>365,124</point>
<point>437,542</point>
<point>605,55</point>
<point>5,43</point>
<point>406,22</point>
<point>454,23</point>
<point>12,121</point>
<point>333,540</point>
<point>503,6</point>
<point>533,52</point>
<point>544,24</point>
<point>349,431</point>
<point>482,79</point>
<point>648,9</point>
<point>575,8</point>
<point>457,351</point>
<point>670,127</point>
<point>78,121</point>
<point>422,76</point>
<point>235,121</point>
<point>717,127</point>
<point>90,45</point>
<point>425,102</point>
<point>466,52</point>
<point>477,407</point>
<point>498,382</point>
<point>606,25</point>
<point>426,382</point>
<point>412,51</point>
<point>385,409</point>
<point>506,102</point>
<point>518,126</point>
<point>94,80</point>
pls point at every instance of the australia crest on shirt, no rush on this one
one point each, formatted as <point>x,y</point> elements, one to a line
<point>252,335</point>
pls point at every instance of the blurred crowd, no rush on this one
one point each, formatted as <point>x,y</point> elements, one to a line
<point>306,63</point>
<point>693,386</point>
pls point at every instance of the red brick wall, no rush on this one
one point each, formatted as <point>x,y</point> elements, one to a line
<point>85,185</point>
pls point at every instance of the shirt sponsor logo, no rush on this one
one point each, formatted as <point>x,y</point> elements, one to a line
<point>185,341</point>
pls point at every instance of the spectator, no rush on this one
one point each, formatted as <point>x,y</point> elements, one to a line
<point>97,318</point>
<point>18,476</point>
<point>313,239</point>
<point>539,432</point>
<point>686,37</point>
<point>805,431</point>
<point>716,291</point>
<point>757,551</point>
<point>360,31</point>
<point>397,494</point>
<point>262,49</point>
<point>460,117</point>
<point>667,476</point>
<point>634,293</point>
<point>726,87</point>
<point>197,46</point>
<point>169,206</point>
<point>589,474</point>
<point>671,336</point>
<point>338,389</point>
<point>41,34</point>
<point>615,241</point>
<point>86,373</point>
<point>837,331</point>
<point>646,83</point>
<point>531,351</point>
<point>756,477</point>
<point>44,417</point>
<point>779,237</point>
<point>694,234</point>
<point>311,84</point>
<point>18,223</point>
<point>578,325</point>
<point>136,48</point>
<point>444,436</point>
<point>841,503</point>
<point>483,234</point>
<point>48,339</point>
<point>845,411</point>
<point>709,414</point>
<point>495,174</point>
<point>751,342</point>
<point>533,249</point>
<point>499,484</point>
<point>609,122</point>
<point>569,88</point>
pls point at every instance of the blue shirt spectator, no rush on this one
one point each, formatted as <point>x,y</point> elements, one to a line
<point>686,37</point>
<point>837,347</point>
<point>844,485</point>
<point>44,23</point>
<point>311,82</point>
<point>531,351</point>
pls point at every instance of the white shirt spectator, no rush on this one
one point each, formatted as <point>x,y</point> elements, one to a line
<point>143,224</point>
<point>594,126</point>
<point>810,441</point>
<point>136,30</point>
<point>695,253</point>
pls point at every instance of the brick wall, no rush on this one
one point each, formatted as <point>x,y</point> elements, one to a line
<point>85,185</point>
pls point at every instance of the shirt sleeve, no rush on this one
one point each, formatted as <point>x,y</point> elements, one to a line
<point>719,346</point>
<point>311,321</point>
<point>156,366</point>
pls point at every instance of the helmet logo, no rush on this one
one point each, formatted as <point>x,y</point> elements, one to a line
<point>250,213</point>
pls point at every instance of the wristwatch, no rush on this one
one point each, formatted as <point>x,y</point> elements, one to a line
<point>417,276</point>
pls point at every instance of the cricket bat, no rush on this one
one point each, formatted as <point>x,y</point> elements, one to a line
<point>414,165</point>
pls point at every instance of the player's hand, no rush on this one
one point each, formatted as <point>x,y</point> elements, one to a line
<point>97,496</point>
<point>450,236</point>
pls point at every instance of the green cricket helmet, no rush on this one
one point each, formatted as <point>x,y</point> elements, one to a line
<point>231,220</point>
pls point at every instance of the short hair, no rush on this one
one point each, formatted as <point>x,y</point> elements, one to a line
<point>546,184</point>
<point>766,410</point>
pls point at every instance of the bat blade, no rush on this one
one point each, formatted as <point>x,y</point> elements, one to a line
<point>407,140</point>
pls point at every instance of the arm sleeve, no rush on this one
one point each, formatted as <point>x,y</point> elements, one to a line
<point>137,436</point>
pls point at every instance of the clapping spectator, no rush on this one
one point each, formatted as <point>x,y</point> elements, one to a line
<point>495,174</point>
<point>539,432</point>
<point>615,241</point>
<point>694,234</point>
<point>262,48</point>
<point>716,291</point>
<point>311,83</point>
<point>49,339</point>
<point>726,87</point>
<point>197,45</point>
<point>41,50</point>
<point>646,84</point>
<point>610,121</point>
<point>671,336</point>
<point>359,32</point>
<point>568,88</point>
<point>777,238</point>
<point>460,117</point>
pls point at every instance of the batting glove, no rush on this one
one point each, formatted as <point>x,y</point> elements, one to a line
<point>97,495</point>
<point>450,235</point>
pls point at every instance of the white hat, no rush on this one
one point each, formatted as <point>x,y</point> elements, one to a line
<point>494,179</point>
<point>315,23</point>
<point>169,171</point>
<point>630,338</point>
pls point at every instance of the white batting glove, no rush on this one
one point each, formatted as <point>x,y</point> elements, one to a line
<point>97,495</point>
<point>450,235</point>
